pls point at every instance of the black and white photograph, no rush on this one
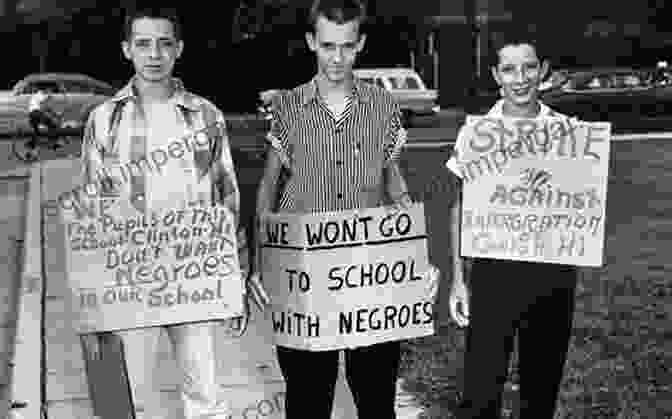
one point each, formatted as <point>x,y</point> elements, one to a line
<point>335,209</point>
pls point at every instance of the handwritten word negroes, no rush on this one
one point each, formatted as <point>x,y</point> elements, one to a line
<point>210,266</point>
<point>385,317</point>
<point>105,179</point>
<point>497,144</point>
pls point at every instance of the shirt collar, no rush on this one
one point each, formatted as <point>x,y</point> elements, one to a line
<point>180,96</point>
<point>497,110</point>
<point>311,92</point>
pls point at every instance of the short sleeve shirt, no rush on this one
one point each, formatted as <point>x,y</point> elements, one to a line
<point>335,164</point>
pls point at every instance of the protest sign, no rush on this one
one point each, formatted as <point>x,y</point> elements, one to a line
<point>129,270</point>
<point>534,189</point>
<point>348,278</point>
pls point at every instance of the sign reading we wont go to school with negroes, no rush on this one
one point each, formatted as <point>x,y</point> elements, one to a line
<point>130,270</point>
<point>534,189</point>
<point>348,278</point>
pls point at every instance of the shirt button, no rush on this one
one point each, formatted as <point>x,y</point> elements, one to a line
<point>339,195</point>
<point>339,130</point>
<point>339,162</point>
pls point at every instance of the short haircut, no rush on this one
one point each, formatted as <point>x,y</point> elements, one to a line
<point>338,11</point>
<point>152,12</point>
<point>511,38</point>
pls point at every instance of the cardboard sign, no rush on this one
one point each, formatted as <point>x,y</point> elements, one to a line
<point>347,279</point>
<point>128,270</point>
<point>534,189</point>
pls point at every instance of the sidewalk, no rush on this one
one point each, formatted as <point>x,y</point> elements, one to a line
<point>20,204</point>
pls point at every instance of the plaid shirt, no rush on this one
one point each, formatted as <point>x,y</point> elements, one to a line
<point>205,168</point>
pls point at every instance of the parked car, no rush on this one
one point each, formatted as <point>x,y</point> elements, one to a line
<point>73,97</point>
<point>406,86</point>
<point>556,79</point>
<point>631,99</point>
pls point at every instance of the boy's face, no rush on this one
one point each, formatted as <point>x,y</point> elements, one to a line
<point>153,48</point>
<point>519,73</point>
<point>336,47</point>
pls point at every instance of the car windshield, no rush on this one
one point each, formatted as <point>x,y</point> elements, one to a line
<point>404,82</point>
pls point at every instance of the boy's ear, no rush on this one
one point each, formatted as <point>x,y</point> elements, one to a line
<point>545,66</point>
<point>310,40</point>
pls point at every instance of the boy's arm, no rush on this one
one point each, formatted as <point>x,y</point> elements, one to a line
<point>226,184</point>
<point>396,136</point>
<point>277,157</point>
<point>455,228</point>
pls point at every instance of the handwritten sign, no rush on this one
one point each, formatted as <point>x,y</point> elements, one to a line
<point>534,189</point>
<point>128,270</point>
<point>347,279</point>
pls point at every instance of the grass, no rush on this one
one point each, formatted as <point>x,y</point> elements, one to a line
<point>620,357</point>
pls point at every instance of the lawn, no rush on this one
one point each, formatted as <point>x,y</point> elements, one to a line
<point>620,358</point>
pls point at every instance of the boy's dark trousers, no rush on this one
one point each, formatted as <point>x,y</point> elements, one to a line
<point>537,301</point>
<point>310,379</point>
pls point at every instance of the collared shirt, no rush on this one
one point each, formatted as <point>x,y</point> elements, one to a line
<point>335,164</point>
<point>193,165</point>
<point>496,112</point>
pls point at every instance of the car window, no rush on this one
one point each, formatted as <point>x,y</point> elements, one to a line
<point>379,82</point>
<point>51,87</point>
<point>366,79</point>
<point>404,82</point>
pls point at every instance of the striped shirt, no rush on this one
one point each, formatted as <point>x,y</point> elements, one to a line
<point>335,164</point>
<point>196,164</point>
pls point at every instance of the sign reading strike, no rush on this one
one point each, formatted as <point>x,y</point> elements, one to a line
<point>534,189</point>
<point>347,279</point>
<point>128,270</point>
